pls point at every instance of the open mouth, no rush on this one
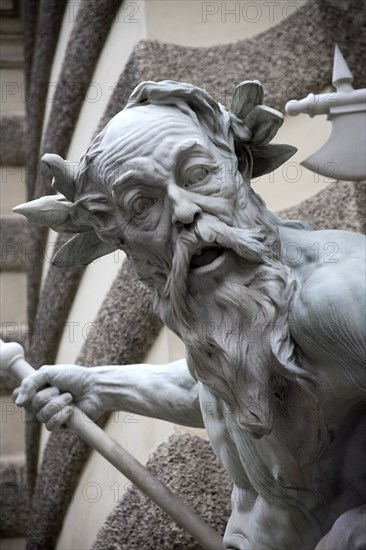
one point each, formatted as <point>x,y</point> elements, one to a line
<point>206,257</point>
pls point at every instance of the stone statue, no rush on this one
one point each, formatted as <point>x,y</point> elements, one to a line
<point>271,313</point>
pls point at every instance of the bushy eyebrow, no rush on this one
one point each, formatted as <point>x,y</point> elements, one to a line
<point>138,173</point>
<point>133,175</point>
<point>191,147</point>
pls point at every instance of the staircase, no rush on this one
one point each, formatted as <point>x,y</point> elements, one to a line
<point>13,252</point>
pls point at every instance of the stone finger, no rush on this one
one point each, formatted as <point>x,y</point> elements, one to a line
<point>57,421</point>
<point>53,407</point>
<point>42,397</point>
<point>29,387</point>
<point>15,394</point>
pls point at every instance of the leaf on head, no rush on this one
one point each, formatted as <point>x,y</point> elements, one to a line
<point>269,157</point>
<point>82,249</point>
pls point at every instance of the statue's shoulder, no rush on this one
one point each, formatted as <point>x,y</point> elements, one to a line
<point>328,313</point>
<point>320,260</point>
<point>334,265</point>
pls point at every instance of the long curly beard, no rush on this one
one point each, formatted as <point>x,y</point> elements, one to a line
<point>237,337</point>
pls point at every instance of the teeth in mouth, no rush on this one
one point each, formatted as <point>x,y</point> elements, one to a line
<point>205,256</point>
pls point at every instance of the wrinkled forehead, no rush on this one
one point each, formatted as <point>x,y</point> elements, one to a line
<point>145,131</point>
<point>143,139</point>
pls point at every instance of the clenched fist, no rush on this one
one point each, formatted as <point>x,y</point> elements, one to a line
<point>50,392</point>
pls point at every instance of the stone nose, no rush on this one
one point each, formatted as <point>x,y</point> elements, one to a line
<point>185,209</point>
<point>185,213</point>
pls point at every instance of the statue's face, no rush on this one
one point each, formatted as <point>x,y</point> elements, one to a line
<point>169,176</point>
<point>182,215</point>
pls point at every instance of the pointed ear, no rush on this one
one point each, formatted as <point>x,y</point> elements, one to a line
<point>64,173</point>
<point>53,211</point>
<point>82,249</point>
<point>247,95</point>
<point>269,157</point>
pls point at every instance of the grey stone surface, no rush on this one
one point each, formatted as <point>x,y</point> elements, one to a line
<point>12,128</point>
<point>188,466</point>
<point>13,504</point>
<point>287,66</point>
<point>13,241</point>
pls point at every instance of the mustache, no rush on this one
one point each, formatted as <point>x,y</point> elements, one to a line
<point>208,231</point>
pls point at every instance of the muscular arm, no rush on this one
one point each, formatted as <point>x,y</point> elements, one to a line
<point>167,392</point>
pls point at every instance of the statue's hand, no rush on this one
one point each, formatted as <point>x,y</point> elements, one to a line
<point>51,390</point>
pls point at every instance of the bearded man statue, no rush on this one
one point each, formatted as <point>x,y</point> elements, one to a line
<point>275,364</point>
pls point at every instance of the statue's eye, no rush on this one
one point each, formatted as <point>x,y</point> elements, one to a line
<point>197,174</point>
<point>142,204</point>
